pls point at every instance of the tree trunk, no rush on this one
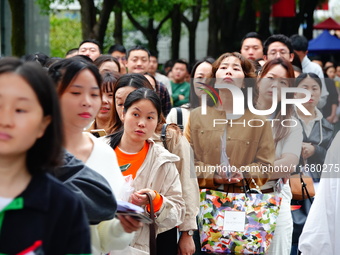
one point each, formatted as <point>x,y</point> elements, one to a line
<point>149,32</point>
<point>264,23</point>
<point>118,26</point>
<point>248,20</point>
<point>101,26</point>
<point>88,18</point>
<point>18,27</point>
<point>229,12</point>
<point>285,26</point>
<point>152,36</point>
<point>192,27</point>
<point>175,31</point>
<point>192,44</point>
<point>214,26</point>
<point>308,31</point>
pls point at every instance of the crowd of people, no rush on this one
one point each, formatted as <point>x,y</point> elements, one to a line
<point>115,127</point>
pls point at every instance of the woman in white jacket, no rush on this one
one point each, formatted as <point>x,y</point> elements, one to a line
<point>320,235</point>
<point>151,166</point>
<point>79,89</point>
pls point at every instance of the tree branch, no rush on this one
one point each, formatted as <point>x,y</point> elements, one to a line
<point>185,20</point>
<point>196,13</point>
<point>163,20</point>
<point>101,25</point>
<point>135,23</point>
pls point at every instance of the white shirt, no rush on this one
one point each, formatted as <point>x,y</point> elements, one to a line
<point>103,160</point>
<point>321,232</point>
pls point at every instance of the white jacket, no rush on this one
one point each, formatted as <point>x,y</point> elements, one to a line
<point>320,235</point>
<point>158,172</point>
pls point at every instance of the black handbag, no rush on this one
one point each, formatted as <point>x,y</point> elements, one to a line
<point>300,210</point>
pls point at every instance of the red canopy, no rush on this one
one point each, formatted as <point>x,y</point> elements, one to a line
<point>328,24</point>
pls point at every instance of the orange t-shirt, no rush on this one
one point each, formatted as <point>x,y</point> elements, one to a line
<point>134,159</point>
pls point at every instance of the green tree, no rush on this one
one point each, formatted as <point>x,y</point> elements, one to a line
<point>148,17</point>
<point>94,19</point>
<point>65,34</point>
<point>195,10</point>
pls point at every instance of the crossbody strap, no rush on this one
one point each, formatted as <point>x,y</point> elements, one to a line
<point>304,189</point>
<point>179,117</point>
<point>163,135</point>
<point>152,226</point>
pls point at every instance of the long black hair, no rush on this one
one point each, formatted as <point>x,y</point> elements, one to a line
<point>46,152</point>
<point>133,97</point>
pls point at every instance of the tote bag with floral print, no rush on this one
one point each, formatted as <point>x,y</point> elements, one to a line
<point>237,222</point>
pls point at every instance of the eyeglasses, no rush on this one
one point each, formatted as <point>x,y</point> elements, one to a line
<point>121,58</point>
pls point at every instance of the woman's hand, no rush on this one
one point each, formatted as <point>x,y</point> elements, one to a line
<point>235,177</point>
<point>308,150</point>
<point>129,224</point>
<point>186,245</point>
<point>140,198</point>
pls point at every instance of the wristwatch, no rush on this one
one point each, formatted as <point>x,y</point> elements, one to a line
<point>190,232</point>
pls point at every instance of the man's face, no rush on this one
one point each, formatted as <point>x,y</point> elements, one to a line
<point>138,61</point>
<point>179,72</point>
<point>121,59</point>
<point>153,65</point>
<point>277,50</point>
<point>252,48</point>
<point>89,49</point>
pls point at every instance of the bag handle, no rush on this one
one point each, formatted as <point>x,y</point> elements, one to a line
<point>179,117</point>
<point>304,189</point>
<point>163,135</point>
<point>152,226</point>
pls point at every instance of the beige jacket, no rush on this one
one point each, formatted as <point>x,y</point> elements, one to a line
<point>158,172</point>
<point>248,147</point>
<point>179,145</point>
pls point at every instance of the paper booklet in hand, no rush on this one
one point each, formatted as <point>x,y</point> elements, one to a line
<point>135,211</point>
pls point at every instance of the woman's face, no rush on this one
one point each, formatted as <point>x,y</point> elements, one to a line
<point>22,120</point>
<point>120,97</point>
<point>313,87</point>
<point>108,66</point>
<point>140,121</point>
<point>81,101</point>
<point>276,77</point>
<point>106,109</point>
<point>230,72</point>
<point>331,72</point>
<point>202,73</point>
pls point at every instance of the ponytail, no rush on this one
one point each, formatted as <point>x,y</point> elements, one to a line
<point>115,138</point>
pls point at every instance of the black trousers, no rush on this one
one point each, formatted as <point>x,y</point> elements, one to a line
<point>167,242</point>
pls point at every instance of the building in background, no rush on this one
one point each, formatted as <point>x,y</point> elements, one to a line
<point>37,28</point>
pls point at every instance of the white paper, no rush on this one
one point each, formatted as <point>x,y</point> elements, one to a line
<point>234,221</point>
